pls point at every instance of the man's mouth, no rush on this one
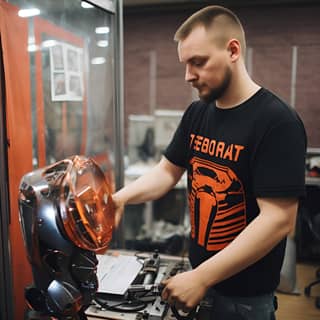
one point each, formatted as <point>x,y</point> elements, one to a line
<point>196,86</point>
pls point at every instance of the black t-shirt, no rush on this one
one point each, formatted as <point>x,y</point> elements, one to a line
<point>233,156</point>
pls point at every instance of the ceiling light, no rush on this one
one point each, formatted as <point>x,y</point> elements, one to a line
<point>98,60</point>
<point>102,30</point>
<point>49,43</point>
<point>86,5</point>
<point>26,13</point>
<point>103,43</point>
<point>32,48</point>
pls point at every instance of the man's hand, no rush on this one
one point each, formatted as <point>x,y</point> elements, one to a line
<point>119,209</point>
<point>184,291</point>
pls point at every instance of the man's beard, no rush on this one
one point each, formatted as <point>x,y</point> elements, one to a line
<point>219,91</point>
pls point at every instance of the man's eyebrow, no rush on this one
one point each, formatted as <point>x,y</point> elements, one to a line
<point>197,57</point>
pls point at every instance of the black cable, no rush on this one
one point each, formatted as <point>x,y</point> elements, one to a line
<point>129,305</point>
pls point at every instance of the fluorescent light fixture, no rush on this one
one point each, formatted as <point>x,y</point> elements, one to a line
<point>86,5</point>
<point>49,43</point>
<point>102,30</point>
<point>103,43</point>
<point>27,13</point>
<point>33,47</point>
<point>98,60</point>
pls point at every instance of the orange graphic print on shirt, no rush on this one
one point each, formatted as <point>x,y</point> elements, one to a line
<point>217,204</point>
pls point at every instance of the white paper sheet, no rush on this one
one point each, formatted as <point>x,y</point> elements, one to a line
<point>116,273</point>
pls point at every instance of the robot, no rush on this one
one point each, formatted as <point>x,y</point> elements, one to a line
<point>67,216</point>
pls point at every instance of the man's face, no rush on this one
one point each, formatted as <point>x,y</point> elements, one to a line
<point>207,67</point>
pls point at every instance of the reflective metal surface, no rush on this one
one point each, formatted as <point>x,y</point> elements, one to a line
<point>66,214</point>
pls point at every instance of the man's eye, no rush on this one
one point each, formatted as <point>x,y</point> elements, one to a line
<point>198,63</point>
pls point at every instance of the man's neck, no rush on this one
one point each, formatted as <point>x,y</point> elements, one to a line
<point>241,88</point>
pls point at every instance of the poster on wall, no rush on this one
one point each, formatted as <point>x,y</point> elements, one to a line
<point>66,72</point>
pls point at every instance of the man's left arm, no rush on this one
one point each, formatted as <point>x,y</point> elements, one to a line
<point>275,221</point>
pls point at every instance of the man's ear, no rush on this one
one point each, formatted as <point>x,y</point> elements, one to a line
<point>234,48</point>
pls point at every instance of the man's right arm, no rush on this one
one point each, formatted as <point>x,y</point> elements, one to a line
<point>152,185</point>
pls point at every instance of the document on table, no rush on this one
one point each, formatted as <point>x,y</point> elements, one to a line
<point>116,273</point>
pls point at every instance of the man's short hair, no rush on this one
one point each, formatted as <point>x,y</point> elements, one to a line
<point>220,19</point>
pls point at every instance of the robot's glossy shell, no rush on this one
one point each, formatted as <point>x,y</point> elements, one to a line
<point>84,202</point>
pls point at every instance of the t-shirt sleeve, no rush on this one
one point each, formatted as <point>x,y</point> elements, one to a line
<point>279,165</point>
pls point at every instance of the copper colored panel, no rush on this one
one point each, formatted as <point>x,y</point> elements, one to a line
<point>85,205</point>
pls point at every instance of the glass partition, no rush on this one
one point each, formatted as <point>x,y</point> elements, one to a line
<point>72,51</point>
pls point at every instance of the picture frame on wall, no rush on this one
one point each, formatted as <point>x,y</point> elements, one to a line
<point>66,72</point>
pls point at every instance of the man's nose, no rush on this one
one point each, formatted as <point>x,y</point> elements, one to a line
<point>189,75</point>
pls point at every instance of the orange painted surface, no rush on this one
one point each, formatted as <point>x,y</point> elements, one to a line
<point>14,37</point>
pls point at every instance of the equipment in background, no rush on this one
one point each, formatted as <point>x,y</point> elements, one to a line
<point>166,123</point>
<point>140,138</point>
<point>149,135</point>
<point>66,214</point>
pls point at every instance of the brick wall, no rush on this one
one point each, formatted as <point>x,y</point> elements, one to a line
<point>271,32</point>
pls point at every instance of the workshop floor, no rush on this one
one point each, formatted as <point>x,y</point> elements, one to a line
<point>300,307</point>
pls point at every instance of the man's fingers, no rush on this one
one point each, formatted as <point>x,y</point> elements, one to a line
<point>164,293</point>
<point>165,281</point>
<point>164,290</point>
<point>117,220</point>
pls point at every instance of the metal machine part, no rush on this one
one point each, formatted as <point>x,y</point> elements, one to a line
<point>66,214</point>
<point>142,300</point>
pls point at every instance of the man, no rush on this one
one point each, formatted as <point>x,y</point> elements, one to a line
<point>244,152</point>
